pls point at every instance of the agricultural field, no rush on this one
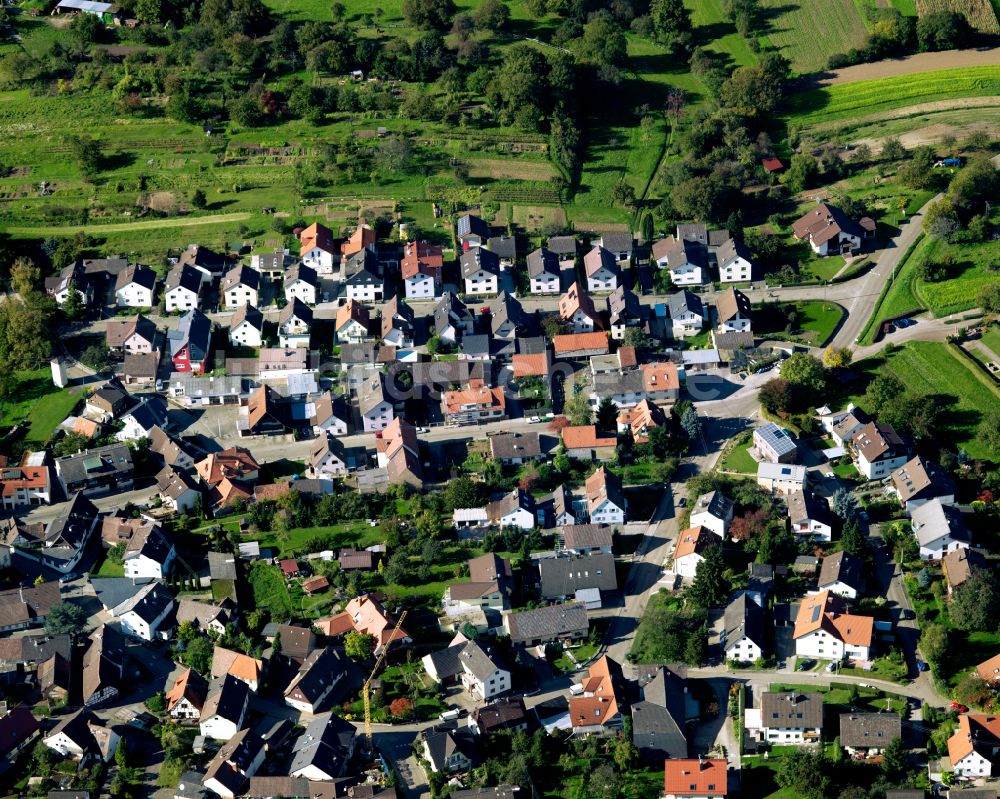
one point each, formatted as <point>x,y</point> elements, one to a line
<point>909,293</point>
<point>928,367</point>
<point>978,13</point>
<point>807,43</point>
<point>709,14</point>
<point>871,97</point>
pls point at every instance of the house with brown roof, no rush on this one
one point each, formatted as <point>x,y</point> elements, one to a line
<point>640,419</point>
<point>703,778</point>
<point>246,326</point>
<point>398,452</point>
<point>263,414</point>
<point>186,696</point>
<point>317,248</point>
<point>605,498</point>
<point>657,382</point>
<point>140,368</point>
<point>843,574</point>
<point>132,335</point>
<point>877,450</point>
<point>587,539</point>
<point>790,717</point>
<point>690,548</point>
<point>828,230</point>
<point>825,629</point>
<point>868,734</point>
<point>353,323</point>
<point>597,707</point>
<point>515,448</point>
<point>733,310</point>
<point>975,745</point>
<point>960,564</point>
<point>809,516</point>
<point>918,481</point>
<point>580,345</point>
<point>583,443</point>
<point>989,670</point>
<point>602,269</point>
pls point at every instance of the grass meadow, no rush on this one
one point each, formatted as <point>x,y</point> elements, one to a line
<point>808,32</point>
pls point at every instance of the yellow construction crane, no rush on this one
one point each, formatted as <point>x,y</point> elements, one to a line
<point>366,691</point>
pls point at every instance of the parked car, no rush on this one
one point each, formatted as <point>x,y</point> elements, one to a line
<point>805,664</point>
<point>832,665</point>
<point>682,502</point>
<point>921,666</point>
<point>957,706</point>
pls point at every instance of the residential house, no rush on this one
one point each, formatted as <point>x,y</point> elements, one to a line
<point>225,708</point>
<point>877,450</point>
<point>543,271</point>
<point>421,268</point>
<point>81,736</point>
<point>480,270</point>
<point>583,443</point>
<point>577,310</point>
<point>974,746</point>
<point>190,343</point>
<point>108,403</point>
<point>690,549</point>
<point>271,264</point>
<point>141,368</point>
<point>473,405</point>
<point>868,734</point>
<point>243,667</point>
<point>302,284</point>
<point>735,262</point>
<point>327,458</point>
<point>397,323</point>
<point>624,311</point>
<point>505,248</point>
<point>809,515</point>
<point>149,554</point>
<point>657,382</point>
<point>843,429</point>
<point>205,616</point>
<point>824,629</point>
<point>939,529</point>
<point>208,264</point>
<point>744,638</point>
<point>547,625</point>
<point>687,261</point>
<point>232,463</point>
<point>601,269</point>
<point>134,287</point>
<point>781,478</point>
<point>447,749</point>
<point>330,415</point>
<point>365,614</point>
<point>182,289</point>
<point>319,673</point>
<point>104,665</point>
<point>618,244</point>
<point>918,481</point>
<point>471,231</point>
<point>24,486</point>
<point>507,716</point>
<point>506,317</point>
<point>18,732</point>
<point>659,718</point>
<point>353,323</point>
<point>586,539</point>
<point>576,346</point>
<point>186,697</point>
<point>828,230</point>
<point>398,452</point>
<point>142,419</point>
<point>640,419</point>
<point>136,334</point>
<point>775,444</point>
<point>514,449</point>
<point>471,664</point>
<point>565,249</point>
<point>959,565</point>
<point>96,471</point>
<point>605,498</point>
<point>989,670</point>
<point>362,238</point>
<point>713,511</point>
<point>145,615</point>
<point>791,717</point>
<point>318,250</point>
<point>235,763</point>
<point>515,509</point>
<point>176,489</point>
<point>597,707</point>
<point>294,324</point>
<point>364,281</point>
<point>374,405</point>
<point>842,573</point>
<point>58,544</point>
<point>241,286</point>
<point>71,278</point>
<point>452,319</point>
<point>687,314</point>
<point>490,586</point>
<point>586,578</point>
<point>733,310</point>
<point>322,754</point>
<point>704,778</point>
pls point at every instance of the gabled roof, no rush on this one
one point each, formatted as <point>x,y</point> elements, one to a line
<point>616,242</point>
<point>603,486</point>
<point>715,503</point>
<point>420,257</point>
<point>194,331</point>
<point>352,311</point>
<point>823,223</point>
<point>828,612</point>
<point>587,536</point>
<point>515,445</point>
<point>731,304</point>
<point>792,710</point>
<point>683,302</point>
<point>730,250</point>
<point>564,576</point>
<point>875,440</point>
<point>602,695</point>
<point>599,258</point>
<point>805,506</point>
<point>242,667</point>
<point>191,686</point>
<point>139,275</point>
<point>842,567</point>
<point>120,331</point>
<point>744,617</point>
<point>230,764</point>
<point>503,246</point>
<point>575,299</point>
<point>479,258</point>
<point>319,670</point>
<point>869,730</point>
<point>584,437</point>
<point>563,245</point>
<point>934,520</point>
<point>577,342</point>
<point>249,314</point>
<point>316,235</point>
<point>701,777</point>
<point>183,276</point>
<point>694,541</point>
<point>233,462</point>
<point>920,479</point>
<point>326,744</point>
<point>241,275</point>
<point>548,623</point>
<point>542,261</point>
<point>301,272</point>
<point>362,238</point>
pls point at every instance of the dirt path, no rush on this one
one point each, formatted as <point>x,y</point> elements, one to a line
<point>124,227</point>
<point>922,62</point>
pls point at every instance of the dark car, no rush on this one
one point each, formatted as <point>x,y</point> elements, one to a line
<point>921,666</point>
<point>805,664</point>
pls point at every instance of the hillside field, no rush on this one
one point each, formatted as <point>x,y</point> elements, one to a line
<point>808,32</point>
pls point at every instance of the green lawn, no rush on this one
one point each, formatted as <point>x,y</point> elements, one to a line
<point>35,398</point>
<point>105,567</point>
<point>930,367</point>
<point>815,321</point>
<point>991,338</point>
<point>738,459</point>
<point>808,32</point>
<point>826,268</point>
<point>863,98</point>
<point>708,15</point>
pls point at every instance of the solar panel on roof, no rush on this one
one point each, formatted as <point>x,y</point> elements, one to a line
<point>816,613</point>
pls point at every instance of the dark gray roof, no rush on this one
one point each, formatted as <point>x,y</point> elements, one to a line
<point>563,245</point>
<point>446,662</point>
<point>149,414</point>
<point>842,567</point>
<point>686,252</point>
<point>617,242</point>
<point>716,503</point>
<point>730,250</point>
<point>97,462</point>
<point>587,536</point>
<point>869,730</point>
<point>363,353</point>
<point>470,223</point>
<point>744,617</point>
<point>695,232</point>
<point>478,660</point>
<point>153,603</point>
<point>503,246</point>
<point>543,261</point>
<point>241,275</point>
<point>478,344</point>
<point>443,743</point>
<point>504,308</point>
<point>222,565</point>
<point>564,576</point>
<point>229,766</point>
<point>742,340</point>
<point>683,302</point>
<point>298,309</point>
<point>794,709</point>
<point>477,258</point>
<point>321,668</point>
<point>548,623</point>
<point>371,393</point>
<point>301,272</point>
<point>658,720</point>
<point>326,744</point>
<point>195,331</point>
<point>227,698</point>
<point>450,310</point>
<point>515,445</point>
<point>73,524</point>
<point>112,591</point>
<point>503,714</point>
<point>623,305</point>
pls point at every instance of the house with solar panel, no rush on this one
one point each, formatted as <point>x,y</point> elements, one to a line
<point>775,444</point>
